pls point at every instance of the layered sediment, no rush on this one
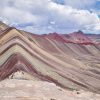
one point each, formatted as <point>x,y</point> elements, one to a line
<point>69,62</point>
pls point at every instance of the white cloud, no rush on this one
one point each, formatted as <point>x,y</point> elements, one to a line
<point>47,16</point>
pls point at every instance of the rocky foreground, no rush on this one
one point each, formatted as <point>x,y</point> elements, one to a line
<point>15,89</point>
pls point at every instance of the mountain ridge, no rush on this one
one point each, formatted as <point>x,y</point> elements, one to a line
<point>75,37</point>
<point>50,58</point>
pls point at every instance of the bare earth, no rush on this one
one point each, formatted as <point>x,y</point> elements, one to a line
<point>14,89</point>
<point>67,60</point>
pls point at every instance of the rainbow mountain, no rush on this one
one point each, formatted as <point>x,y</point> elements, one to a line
<point>71,61</point>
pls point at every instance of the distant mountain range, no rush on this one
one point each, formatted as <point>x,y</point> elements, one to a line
<point>71,61</point>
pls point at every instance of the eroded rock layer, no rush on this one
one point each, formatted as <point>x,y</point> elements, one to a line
<point>53,58</point>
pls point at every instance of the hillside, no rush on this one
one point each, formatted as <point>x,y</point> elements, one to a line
<point>71,61</point>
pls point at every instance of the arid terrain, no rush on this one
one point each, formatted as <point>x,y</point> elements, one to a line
<point>14,89</point>
<point>49,66</point>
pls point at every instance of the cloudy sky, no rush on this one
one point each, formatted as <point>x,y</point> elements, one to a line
<point>44,16</point>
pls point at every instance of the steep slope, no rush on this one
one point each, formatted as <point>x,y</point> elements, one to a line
<point>50,58</point>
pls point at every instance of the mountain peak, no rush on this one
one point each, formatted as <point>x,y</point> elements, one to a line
<point>79,37</point>
<point>3,26</point>
<point>79,31</point>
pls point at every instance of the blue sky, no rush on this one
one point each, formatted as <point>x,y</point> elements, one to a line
<point>45,16</point>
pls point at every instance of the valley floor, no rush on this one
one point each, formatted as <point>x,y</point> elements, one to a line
<point>14,89</point>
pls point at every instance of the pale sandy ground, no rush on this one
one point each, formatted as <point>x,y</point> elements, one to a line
<point>14,89</point>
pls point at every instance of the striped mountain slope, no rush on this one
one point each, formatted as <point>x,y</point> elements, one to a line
<point>3,26</point>
<point>67,64</point>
